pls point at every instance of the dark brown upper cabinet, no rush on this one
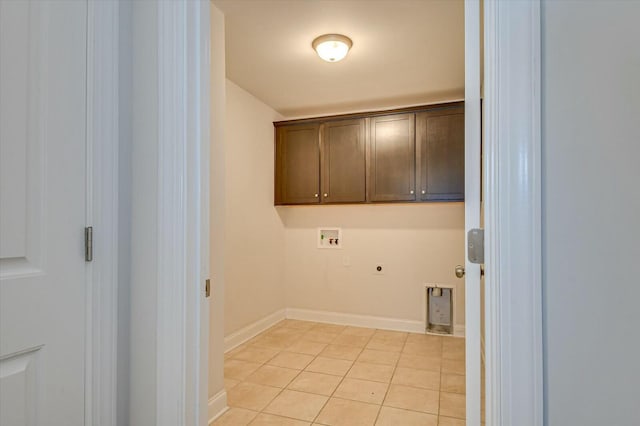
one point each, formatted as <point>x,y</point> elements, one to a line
<point>297,179</point>
<point>409,155</point>
<point>440,138</point>
<point>392,158</point>
<point>342,153</point>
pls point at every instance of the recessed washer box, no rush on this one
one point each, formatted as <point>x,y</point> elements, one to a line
<point>329,238</point>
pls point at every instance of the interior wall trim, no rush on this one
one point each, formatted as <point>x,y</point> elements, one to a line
<point>250,331</point>
<point>512,165</point>
<point>102,212</point>
<point>217,406</point>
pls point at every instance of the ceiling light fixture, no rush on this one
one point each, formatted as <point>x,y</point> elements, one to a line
<point>332,47</point>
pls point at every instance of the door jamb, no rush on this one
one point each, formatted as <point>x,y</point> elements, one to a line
<point>513,218</point>
<point>512,167</point>
<point>102,85</point>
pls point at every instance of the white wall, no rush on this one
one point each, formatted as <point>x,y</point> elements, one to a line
<point>591,212</point>
<point>417,243</point>
<point>254,241</point>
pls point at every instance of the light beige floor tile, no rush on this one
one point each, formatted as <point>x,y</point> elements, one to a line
<point>284,332</point>
<point>453,383</point>
<point>420,362</point>
<point>391,336</point>
<point>452,366</point>
<point>270,375</point>
<point>417,378</point>
<point>351,340</point>
<point>297,324</point>
<point>453,348</point>
<point>319,336</point>
<point>230,383</point>
<point>271,420</point>
<point>272,342</point>
<point>322,384</point>
<point>251,396</point>
<point>358,331</point>
<point>342,412</point>
<point>423,400</point>
<point>235,417</point>
<point>256,354</point>
<point>452,405</point>
<point>336,367</point>
<point>239,370</point>
<point>449,421</point>
<point>298,405</point>
<point>423,348</point>
<point>306,347</point>
<point>341,352</point>
<point>379,357</point>
<point>384,345</point>
<point>291,360</point>
<point>362,390</point>
<point>373,372</point>
<point>329,328</point>
<point>390,416</point>
<point>424,338</point>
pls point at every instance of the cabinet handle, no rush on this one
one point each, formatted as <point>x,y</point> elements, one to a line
<point>326,195</point>
<point>424,192</point>
<point>315,195</point>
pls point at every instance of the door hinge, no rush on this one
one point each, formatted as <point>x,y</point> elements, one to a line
<point>207,288</point>
<point>475,245</point>
<point>88,243</point>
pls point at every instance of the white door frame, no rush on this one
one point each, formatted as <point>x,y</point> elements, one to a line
<point>512,216</point>
<point>102,213</point>
<point>512,167</point>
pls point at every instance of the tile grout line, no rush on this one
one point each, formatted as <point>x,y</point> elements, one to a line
<point>395,367</point>
<point>341,380</point>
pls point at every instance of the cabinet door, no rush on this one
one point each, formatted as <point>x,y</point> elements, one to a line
<point>441,154</point>
<point>343,161</point>
<point>392,173</point>
<point>297,164</point>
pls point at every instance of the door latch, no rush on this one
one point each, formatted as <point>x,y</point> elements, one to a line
<point>475,245</point>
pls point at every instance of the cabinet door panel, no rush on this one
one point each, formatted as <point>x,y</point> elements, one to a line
<point>297,164</point>
<point>441,146</point>
<point>392,158</point>
<point>343,162</point>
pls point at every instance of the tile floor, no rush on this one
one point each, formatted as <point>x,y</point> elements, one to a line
<point>304,373</point>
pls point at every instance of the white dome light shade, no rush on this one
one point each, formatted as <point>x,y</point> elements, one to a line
<point>332,47</point>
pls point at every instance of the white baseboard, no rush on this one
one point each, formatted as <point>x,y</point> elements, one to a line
<point>356,320</point>
<point>217,405</point>
<point>239,337</point>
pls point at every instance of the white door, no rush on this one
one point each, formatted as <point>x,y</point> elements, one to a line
<point>472,208</point>
<point>42,212</point>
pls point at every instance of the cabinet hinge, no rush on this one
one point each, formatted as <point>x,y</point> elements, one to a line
<point>88,243</point>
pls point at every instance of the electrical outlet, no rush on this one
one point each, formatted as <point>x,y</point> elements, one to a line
<point>378,269</point>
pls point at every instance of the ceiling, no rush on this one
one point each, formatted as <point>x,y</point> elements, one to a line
<point>405,52</point>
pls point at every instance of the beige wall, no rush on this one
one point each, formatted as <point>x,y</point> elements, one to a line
<point>271,259</point>
<point>254,240</point>
<point>216,312</point>
<point>417,243</point>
